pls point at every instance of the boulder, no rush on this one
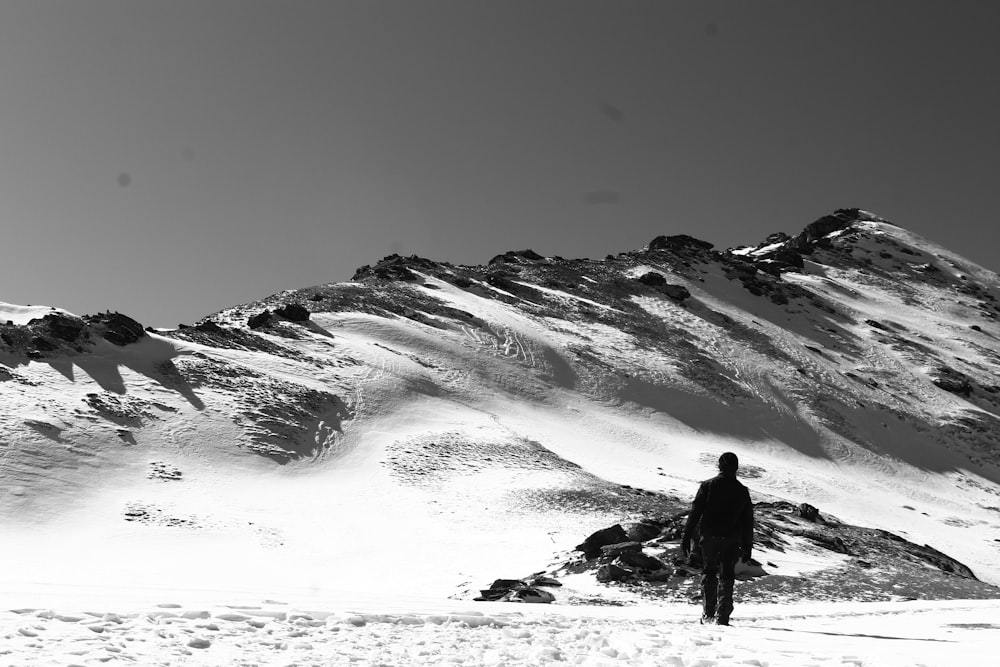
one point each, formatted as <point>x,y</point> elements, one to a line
<point>591,547</point>
<point>653,279</point>
<point>641,561</point>
<point>260,319</point>
<point>611,572</point>
<point>530,594</point>
<point>294,312</point>
<point>499,589</point>
<point>643,530</point>
<point>544,581</point>
<point>611,551</point>
<point>677,292</point>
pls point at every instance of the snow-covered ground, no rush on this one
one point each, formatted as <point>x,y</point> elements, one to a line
<point>402,631</point>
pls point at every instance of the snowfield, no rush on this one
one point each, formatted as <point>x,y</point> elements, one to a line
<point>272,632</point>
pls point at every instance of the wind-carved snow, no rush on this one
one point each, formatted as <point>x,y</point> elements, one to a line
<point>563,295</point>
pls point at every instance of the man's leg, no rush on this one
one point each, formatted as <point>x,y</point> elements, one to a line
<point>728,555</point>
<point>709,576</point>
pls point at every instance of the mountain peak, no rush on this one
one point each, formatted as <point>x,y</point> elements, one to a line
<point>781,252</point>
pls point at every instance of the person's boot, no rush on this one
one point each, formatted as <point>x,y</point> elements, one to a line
<point>725,605</point>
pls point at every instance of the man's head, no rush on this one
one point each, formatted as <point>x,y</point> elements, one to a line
<point>729,463</point>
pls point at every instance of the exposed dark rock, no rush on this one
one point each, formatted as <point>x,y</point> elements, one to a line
<point>260,319</point>
<point>208,326</point>
<point>515,257</point>
<point>809,513</point>
<point>64,327</point>
<point>116,328</point>
<point>395,267</point>
<point>782,259</point>
<point>777,237</point>
<point>679,242</point>
<point>516,590</point>
<point>953,381</point>
<point>637,559</point>
<point>677,292</point>
<point>294,312</point>
<point>530,594</point>
<point>591,547</point>
<point>789,251</point>
<point>611,551</point>
<point>15,337</point>
<point>544,581</point>
<point>43,344</point>
<point>644,530</point>
<point>653,279</point>
<point>840,219</point>
<point>500,281</point>
<point>611,572</point>
<point>942,561</point>
<point>498,589</point>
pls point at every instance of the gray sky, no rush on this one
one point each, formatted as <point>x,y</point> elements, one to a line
<point>168,159</point>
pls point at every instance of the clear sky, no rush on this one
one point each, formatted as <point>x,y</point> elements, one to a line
<point>168,159</point>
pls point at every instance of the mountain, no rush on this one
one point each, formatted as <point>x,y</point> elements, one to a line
<point>432,426</point>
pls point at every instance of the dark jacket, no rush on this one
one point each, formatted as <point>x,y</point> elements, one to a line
<point>722,508</point>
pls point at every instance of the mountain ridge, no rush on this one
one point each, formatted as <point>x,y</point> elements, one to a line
<point>854,365</point>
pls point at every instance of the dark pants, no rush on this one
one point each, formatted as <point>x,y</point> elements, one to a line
<point>719,555</point>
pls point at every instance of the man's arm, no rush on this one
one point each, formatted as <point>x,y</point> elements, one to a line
<point>746,528</point>
<point>697,509</point>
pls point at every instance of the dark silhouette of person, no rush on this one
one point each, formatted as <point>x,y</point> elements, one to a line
<point>721,524</point>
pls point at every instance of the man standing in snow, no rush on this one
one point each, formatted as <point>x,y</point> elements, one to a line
<point>722,517</point>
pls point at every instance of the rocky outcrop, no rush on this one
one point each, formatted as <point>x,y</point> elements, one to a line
<point>679,242</point>
<point>809,513</point>
<point>591,547</point>
<point>871,562</point>
<point>532,590</point>
<point>644,530</point>
<point>677,292</point>
<point>516,257</point>
<point>64,327</point>
<point>394,267</point>
<point>294,312</point>
<point>952,381</point>
<point>780,252</point>
<point>260,319</point>
<point>116,328</point>
<point>53,334</point>
<point>659,282</point>
<point>610,572</point>
<point>652,279</point>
